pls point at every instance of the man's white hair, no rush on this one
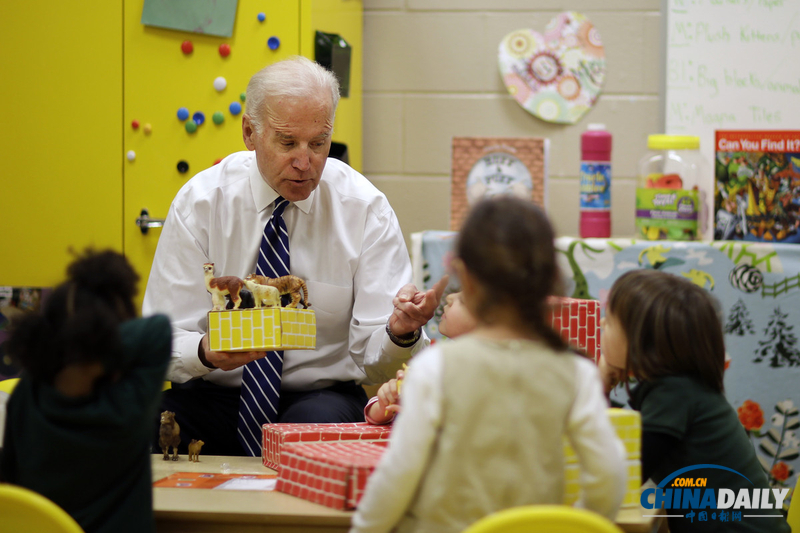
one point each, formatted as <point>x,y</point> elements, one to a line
<point>296,76</point>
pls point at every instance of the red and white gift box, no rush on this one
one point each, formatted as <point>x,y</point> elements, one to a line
<point>277,436</point>
<point>578,321</point>
<point>333,474</point>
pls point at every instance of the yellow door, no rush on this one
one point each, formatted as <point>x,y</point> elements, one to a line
<point>160,79</point>
<point>345,18</point>
<point>76,76</point>
<point>60,135</point>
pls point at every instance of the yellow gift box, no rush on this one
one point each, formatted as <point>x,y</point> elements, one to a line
<point>628,425</point>
<point>267,328</point>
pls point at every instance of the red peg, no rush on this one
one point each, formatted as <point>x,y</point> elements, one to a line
<point>225,50</point>
<point>135,124</point>
<point>187,47</point>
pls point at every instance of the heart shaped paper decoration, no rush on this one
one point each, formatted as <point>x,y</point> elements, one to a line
<point>557,76</point>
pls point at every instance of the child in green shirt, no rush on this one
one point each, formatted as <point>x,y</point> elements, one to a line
<point>79,422</point>
<point>665,331</point>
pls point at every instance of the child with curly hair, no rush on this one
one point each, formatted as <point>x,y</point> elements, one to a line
<point>80,420</point>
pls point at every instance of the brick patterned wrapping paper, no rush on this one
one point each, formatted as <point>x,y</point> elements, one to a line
<point>333,474</point>
<point>578,321</point>
<point>330,463</point>
<point>277,436</point>
<point>628,425</point>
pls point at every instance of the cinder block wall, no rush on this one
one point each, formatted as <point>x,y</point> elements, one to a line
<point>430,73</point>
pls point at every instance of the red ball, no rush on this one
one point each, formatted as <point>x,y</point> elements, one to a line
<point>187,47</point>
<point>135,124</point>
<point>225,50</point>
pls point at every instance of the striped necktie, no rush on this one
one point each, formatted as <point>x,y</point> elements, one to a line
<point>261,379</point>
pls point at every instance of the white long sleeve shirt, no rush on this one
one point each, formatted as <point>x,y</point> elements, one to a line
<point>344,241</point>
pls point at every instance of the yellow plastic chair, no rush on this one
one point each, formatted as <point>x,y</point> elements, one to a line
<point>25,511</point>
<point>543,519</point>
<point>794,508</point>
<point>7,385</point>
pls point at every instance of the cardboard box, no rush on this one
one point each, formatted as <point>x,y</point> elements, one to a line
<point>278,436</point>
<point>578,321</point>
<point>317,462</point>
<point>333,474</point>
<point>267,328</point>
<point>628,425</point>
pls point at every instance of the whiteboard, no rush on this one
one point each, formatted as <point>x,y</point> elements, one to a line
<point>731,65</point>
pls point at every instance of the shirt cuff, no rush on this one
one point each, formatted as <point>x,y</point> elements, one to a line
<point>186,363</point>
<point>396,352</point>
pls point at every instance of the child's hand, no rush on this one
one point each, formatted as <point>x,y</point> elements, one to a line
<point>387,406</point>
<point>610,375</point>
<point>389,394</point>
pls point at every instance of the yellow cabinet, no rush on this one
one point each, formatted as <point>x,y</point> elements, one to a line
<point>60,135</point>
<point>77,75</point>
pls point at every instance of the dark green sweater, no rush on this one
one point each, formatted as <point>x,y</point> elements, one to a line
<point>91,455</point>
<point>707,431</point>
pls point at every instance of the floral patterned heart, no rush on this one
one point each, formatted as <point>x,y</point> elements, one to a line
<point>556,76</point>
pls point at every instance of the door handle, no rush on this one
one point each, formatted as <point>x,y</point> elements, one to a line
<point>145,222</point>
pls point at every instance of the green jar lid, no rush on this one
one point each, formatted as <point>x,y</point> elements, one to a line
<point>673,142</point>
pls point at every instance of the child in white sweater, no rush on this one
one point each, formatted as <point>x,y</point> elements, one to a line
<point>484,415</point>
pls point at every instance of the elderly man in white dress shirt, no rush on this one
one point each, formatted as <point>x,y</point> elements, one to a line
<point>344,241</point>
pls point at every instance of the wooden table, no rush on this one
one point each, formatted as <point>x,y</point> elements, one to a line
<point>205,511</point>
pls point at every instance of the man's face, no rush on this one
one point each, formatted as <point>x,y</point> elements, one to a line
<point>293,145</point>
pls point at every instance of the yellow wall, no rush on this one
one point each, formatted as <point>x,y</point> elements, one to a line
<point>80,73</point>
<point>60,135</point>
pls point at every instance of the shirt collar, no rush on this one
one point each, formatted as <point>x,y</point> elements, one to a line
<point>264,195</point>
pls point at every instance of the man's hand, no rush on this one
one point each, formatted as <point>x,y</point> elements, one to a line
<point>225,360</point>
<point>413,309</point>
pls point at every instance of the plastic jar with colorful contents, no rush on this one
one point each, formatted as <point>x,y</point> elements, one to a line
<point>671,196</point>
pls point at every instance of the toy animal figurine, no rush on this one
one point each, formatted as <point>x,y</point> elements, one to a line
<point>169,435</point>
<point>219,287</point>
<point>194,450</point>
<point>267,294</point>
<point>247,300</point>
<point>291,285</point>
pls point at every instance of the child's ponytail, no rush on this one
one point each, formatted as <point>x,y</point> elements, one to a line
<point>508,244</point>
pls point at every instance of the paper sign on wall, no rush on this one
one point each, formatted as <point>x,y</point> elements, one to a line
<point>212,17</point>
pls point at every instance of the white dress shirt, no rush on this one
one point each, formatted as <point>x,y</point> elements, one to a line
<point>344,241</point>
<point>402,468</point>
